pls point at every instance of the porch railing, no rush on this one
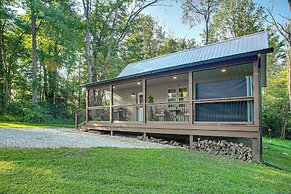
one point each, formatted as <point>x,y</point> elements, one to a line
<point>99,113</point>
<point>130,112</point>
<point>224,110</point>
<point>80,118</point>
<point>168,111</point>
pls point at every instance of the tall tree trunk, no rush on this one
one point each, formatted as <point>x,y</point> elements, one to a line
<point>87,8</point>
<point>34,54</point>
<point>109,51</point>
<point>87,11</point>
<point>288,66</point>
<point>206,32</point>
<point>1,69</point>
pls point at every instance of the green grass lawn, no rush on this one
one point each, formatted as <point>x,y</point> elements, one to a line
<point>17,124</point>
<point>278,152</point>
<point>116,170</point>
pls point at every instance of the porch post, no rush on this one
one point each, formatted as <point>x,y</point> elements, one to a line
<point>190,96</point>
<point>190,141</point>
<point>144,81</point>
<point>256,108</point>
<point>256,92</point>
<point>144,90</point>
<point>111,104</point>
<point>87,105</point>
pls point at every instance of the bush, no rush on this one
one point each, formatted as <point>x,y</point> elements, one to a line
<point>36,114</point>
<point>8,117</point>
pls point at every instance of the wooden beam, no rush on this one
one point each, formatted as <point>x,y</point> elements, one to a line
<point>144,136</point>
<point>256,91</point>
<point>177,126</point>
<point>255,149</point>
<point>111,104</point>
<point>190,141</point>
<point>194,98</point>
<point>190,96</point>
<point>87,105</point>
<point>144,90</point>
<point>175,131</point>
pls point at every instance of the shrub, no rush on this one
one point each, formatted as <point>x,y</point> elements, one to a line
<point>36,114</point>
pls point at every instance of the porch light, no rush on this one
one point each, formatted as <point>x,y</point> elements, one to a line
<point>138,83</point>
<point>174,77</point>
<point>223,70</point>
<point>113,87</point>
<point>133,95</point>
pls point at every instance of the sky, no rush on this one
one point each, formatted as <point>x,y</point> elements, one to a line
<point>169,15</point>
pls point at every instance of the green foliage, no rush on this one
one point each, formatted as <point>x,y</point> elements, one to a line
<point>276,111</point>
<point>236,18</point>
<point>114,170</point>
<point>36,114</point>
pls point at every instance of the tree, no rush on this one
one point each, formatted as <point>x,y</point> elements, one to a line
<point>34,52</point>
<point>285,31</point>
<point>196,11</point>
<point>236,18</point>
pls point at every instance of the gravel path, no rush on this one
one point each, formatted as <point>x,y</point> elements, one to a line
<point>53,138</point>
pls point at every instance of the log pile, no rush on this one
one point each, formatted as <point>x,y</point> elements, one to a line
<point>234,150</point>
<point>221,147</point>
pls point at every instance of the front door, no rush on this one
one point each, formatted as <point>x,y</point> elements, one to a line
<point>140,108</point>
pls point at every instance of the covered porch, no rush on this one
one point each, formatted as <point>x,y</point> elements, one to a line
<point>224,95</point>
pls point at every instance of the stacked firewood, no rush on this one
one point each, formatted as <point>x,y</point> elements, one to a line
<point>234,150</point>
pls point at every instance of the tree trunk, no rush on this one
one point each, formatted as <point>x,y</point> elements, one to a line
<point>34,55</point>
<point>206,33</point>
<point>1,73</point>
<point>87,11</point>
<point>288,66</point>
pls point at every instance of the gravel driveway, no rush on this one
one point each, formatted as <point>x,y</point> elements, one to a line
<point>53,138</point>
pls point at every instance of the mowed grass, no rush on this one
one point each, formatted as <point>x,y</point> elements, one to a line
<point>16,124</point>
<point>117,170</point>
<point>278,152</point>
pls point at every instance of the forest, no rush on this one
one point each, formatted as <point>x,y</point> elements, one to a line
<point>49,48</point>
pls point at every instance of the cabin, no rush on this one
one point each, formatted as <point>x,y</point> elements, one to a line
<point>212,90</point>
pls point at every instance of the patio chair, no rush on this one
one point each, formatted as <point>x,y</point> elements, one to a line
<point>160,114</point>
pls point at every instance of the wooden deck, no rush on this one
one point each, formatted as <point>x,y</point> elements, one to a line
<point>247,131</point>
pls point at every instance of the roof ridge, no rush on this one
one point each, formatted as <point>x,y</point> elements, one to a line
<point>203,46</point>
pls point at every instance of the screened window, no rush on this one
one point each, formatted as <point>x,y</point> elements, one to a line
<point>224,95</point>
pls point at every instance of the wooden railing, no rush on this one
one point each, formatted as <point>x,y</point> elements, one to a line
<point>168,111</point>
<point>235,110</point>
<point>80,118</point>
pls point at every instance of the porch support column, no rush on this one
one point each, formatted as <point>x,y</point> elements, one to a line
<point>190,141</point>
<point>87,105</point>
<point>256,108</point>
<point>111,104</point>
<point>144,90</point>
<point>190,96</point>
<point>255,150</point>
<point>256,92</point>
<point>111,108</point>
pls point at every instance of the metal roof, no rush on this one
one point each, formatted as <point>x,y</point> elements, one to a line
<point>196,58</point>
<point>231,47</point>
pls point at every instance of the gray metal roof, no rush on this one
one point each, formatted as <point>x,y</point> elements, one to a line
<point>240,45</point>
